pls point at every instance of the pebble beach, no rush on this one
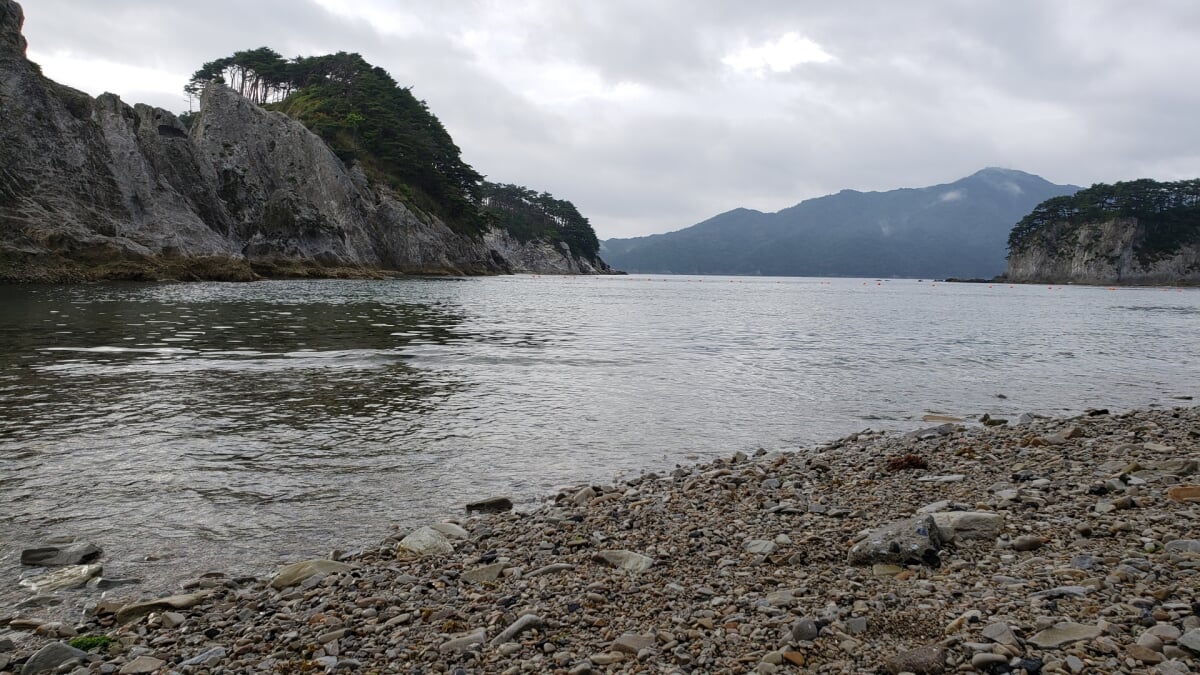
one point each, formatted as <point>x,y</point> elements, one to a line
<point>1021,546</point>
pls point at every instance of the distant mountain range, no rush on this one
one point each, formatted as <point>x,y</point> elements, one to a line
<point>958,229</point>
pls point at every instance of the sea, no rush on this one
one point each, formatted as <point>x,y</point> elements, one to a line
<point>214,427</point>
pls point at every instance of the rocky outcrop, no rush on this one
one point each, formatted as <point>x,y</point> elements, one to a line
<point>1104,253</point>
<point>95,188</point>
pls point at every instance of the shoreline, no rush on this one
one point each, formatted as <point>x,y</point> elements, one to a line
<point>747,564</point>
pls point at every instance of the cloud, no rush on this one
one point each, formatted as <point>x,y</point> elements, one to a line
<point>652,116</point>
<point>777,56</point>
<point>951,196</point>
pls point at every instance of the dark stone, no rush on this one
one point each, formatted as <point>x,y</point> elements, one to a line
<point>493,505</point>
<point>77,553</point>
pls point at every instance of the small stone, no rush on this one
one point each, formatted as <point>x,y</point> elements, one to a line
<point>968,525</point>
<point>65,577</point>
<point>1027,542</point>
<point>137,610</point>
<point>805,630</point>
<point>451,531</point>
<point>484,574</point>
<point>1064,633</point>
<point>50,657</point>
<point>424,541</point>
<point>142,665</point>
<point>295,573</point>
<point>1190,641</point>
<point>1000,633</point>
<point>492,505</point>
<point>987,661</point>
<point>1143,654</point>
<point>172,619</point>
<point>209,658</point>
<point>606,658</point>
<point>461,644</point>
<point>761,546</point>
<point>77,553</point>
<point>631,643</point>
<point>856,625</point>
<point>522,624</point>
<point>626,560</point>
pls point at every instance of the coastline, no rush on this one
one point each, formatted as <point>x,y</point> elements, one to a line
<point>1080,555</point>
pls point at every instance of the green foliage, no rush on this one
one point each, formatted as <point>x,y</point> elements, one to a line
<point>528,215</point>
<point>186,119</point>
<point>1169,212</point>
<point>88,643</point>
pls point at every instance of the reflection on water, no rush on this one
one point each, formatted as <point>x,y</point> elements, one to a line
<point>218,426</point>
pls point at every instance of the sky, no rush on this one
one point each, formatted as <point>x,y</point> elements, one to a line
<point>653,115</point>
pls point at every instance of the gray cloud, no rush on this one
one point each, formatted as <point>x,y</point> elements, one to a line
<point>626,107</point>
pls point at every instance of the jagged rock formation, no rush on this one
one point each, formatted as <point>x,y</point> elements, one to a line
<point>95,188</point>
<point>1135,233</point>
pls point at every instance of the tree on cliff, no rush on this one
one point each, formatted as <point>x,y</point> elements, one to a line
<point>1169,212</point>
<point>530,215</point>
<point>261,75</point>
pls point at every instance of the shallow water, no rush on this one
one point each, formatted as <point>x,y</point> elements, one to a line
<point>196,427</point>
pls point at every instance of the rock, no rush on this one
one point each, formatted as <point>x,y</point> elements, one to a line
<point>968,525</point>
<point>484,574</point>
<point>948,478</point>
<point>632,643</point>
<point>493,505</point>
<point>927,660</point>
<point>1190,641</point>
<point>912,540</point>
<point>1027,542</point>
<point>66,577</point>
<point>461,644</point>
<point>50,657</point>
<point>106,583</point>
<point>987,662</point>
<point>425,541</point>
<point>1143,654</point>
<point>999,632</point>
<point>298,572</point>
<point>451,531</point>
<point>805,630</point>
<point>522,624</point>
<point>549,569</point>
<point>137,610</point>
<point>142,665</point>
<point>172,619</point>
<point>626,560</point>
<point>1064,633</point>
<point>208,657</point>
<point>760,546</point>
<point>56,556</point>
<point>1189,494</point>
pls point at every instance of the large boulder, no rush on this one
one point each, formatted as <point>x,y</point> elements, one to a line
<point>297,572</point>
<point>75,553</point>
<point>912,540</point>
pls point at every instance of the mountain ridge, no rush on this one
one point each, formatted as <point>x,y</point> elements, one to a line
<point>894,233</point>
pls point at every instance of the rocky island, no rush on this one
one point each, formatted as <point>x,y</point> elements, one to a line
<point>1041,546</point>
<point>1140,232</point>
<point>98,189</point>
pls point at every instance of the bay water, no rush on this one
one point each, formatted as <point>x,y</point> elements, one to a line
<point>188,428</point>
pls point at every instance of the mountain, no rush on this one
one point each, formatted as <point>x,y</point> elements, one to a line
<point>953,230</point>
<point>1136,232</point>
<point>98,189</point>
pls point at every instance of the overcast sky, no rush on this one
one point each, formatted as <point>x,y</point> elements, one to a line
<point>652,115</point>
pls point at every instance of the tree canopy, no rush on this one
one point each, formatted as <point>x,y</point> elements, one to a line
<point>1169,211</point>
<point>530,215</point>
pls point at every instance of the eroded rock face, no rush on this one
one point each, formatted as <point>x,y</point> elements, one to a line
<point>1103,253</point>
<point>88,184</point>
<point>12,42</point>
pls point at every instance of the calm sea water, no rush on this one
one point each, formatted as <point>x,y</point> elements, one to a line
<point>196,427</point>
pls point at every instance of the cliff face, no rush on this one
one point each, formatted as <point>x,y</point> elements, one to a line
<point>95,188</point>
<point>1103,253</point>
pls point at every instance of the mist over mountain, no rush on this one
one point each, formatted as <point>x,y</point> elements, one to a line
<point>958,229</point>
